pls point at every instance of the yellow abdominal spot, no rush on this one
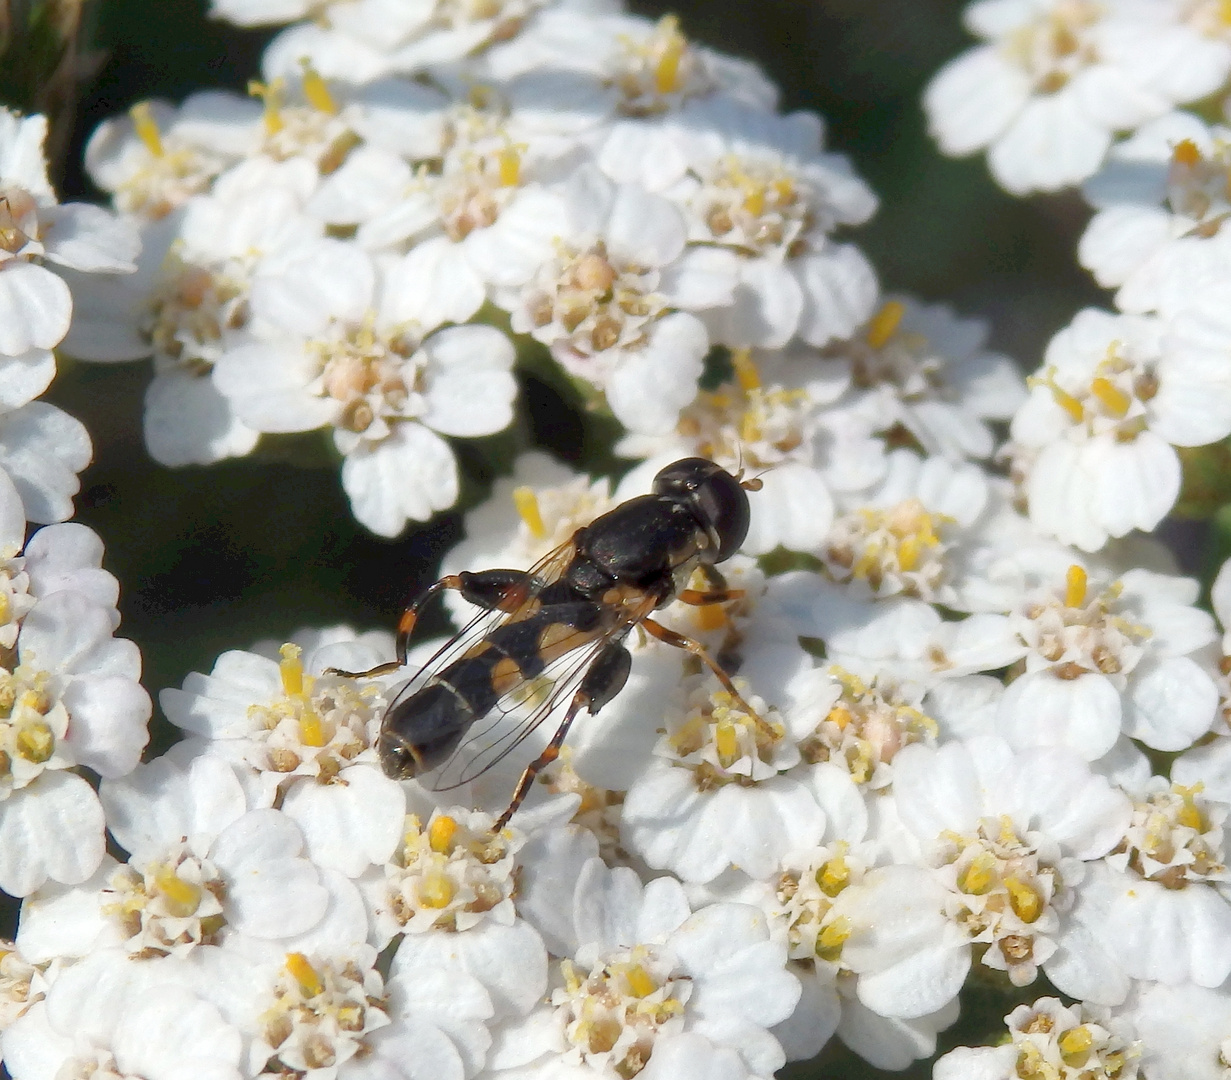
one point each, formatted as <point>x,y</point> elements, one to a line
<point>527,504</point>
<point>146,127</point>
<point>304,974</point>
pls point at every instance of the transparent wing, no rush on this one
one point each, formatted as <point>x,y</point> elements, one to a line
<point>526,707</point>
<point>547,571</point>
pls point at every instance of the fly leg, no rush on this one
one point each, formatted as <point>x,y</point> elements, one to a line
<point>492,590</point>
<point>680,641</point>
<point>606,677</point>
<point>717,593</point>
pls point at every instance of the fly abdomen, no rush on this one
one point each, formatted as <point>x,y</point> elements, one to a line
<point>420,733</point>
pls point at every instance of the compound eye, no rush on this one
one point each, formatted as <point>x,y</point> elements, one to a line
<point>683,476</point>
<point>723,504</point>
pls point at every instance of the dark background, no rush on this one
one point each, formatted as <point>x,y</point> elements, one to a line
<point>210,559</point>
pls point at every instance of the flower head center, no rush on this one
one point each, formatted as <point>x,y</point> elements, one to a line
<point>1176,838</point>
<point>888,355</point>
<point>1057,1040</point>
<point>170,906</point>
<point>658,71</point>
<point>1005,892</point>
<point>1113,400</point>
<point>373,376</point>
<point>594,301</point>
<point>19,225</point>
<point>866,727</point>
<point>1199,185</point>
<point>320,1013</point>
<point>192,309</point>
<point>614,1015</point>
<point>895,549</point>
<point>451,875</point>
<point>1078,630</point>
<point>756,204</point>
<point>724,743</point>
<point>316,726</point>
<point>1057,45</point>
<point>744,423</point>
<point>33,724</point>
<point>807,891</point>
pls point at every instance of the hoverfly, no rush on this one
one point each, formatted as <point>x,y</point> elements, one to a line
<point>563,620</point>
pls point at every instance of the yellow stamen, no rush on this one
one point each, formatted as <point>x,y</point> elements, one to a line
<point>754,199</point>
<point>527,504</point>
<point>640,984</point>
<point>1075,1046</point>
<point>36,742</point>
<point>830,940</point>
<point>909,551</point>
<point>271,97</point>
<point>834,876</point>
<point>1063,398</point>
<point>1026,903</point>
<point>146,127</point>
<point>316,91</point>
<point>746,373</point>
<point>979,877</point>
<point>1075,587</point>
<point>509,161</point>
<point>1114,400</point>
<point>572,981</point>
<point>435,891</point>
<point>1190,815</point>
<point>726,742</point>
<point>291,669</point>
<point>182,897</point>
<point>311,730</point>
<point>667,70</point>
<point>841,715</point>
<point>305,974</point>
<point>711,617</point>
<point>6,608</point>
<point>1186,152</point>
<point>885,323</point>
<point>440,834</point>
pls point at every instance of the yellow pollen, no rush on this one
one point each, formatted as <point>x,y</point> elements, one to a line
<point>746,373</point>
<point>667,70</point>
<point>830,940</point>
<point>36,742</point>
<point>440,834</point>
<point>1075,587</point>
<point>1114,400</point>
<point>527,504</point>
<point>1190,816</point>
<point>710,617</point>
<point>640,984</point>
<point>1186,152</point>
<point>1075,1046</point>
<point>182,897</point>
<point>1026,903</point>
<point>305,974</point>
<point>509,161</point>
<point>1063,398</point>
<point>316,91</point>
<point>572,981</point>
<point>885,323</point>
<point>979,877</point>
<point>834,876</point>
<point>726,741</point>
<point>435,891</point>
<point>311,730</point>
<point>754,199</point>
<point>146,127</point>
<point>291,670</point>
<point>271,97</point>
<point>841,715</point>
<point>909,551</point>
<point>6,608</point>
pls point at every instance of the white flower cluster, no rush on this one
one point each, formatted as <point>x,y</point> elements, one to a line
<point>340,255</point>
<point>1097,448</point>
<point>69,695</point>
<point>940,753</point>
